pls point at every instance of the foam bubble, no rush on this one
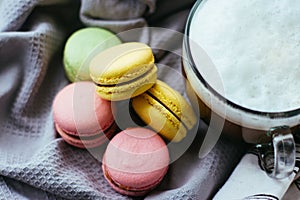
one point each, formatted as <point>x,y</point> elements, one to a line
<point>255,47</point>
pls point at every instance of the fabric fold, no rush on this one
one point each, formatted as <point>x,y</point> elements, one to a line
<point>116,15</point>
<point>13,14</point>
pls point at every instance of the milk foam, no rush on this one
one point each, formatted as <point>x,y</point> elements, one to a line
<point>255,47</point>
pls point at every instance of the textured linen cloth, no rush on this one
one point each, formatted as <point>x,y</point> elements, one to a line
<point>34,162</point>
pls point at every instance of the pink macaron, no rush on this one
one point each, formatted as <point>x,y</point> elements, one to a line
<point>81,117</point>
<point>135,161</point>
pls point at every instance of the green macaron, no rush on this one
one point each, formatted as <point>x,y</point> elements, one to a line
<point>79,47</point>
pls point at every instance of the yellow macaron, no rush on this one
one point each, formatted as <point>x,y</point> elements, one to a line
<point>123,71</point>
<point>165,110</point>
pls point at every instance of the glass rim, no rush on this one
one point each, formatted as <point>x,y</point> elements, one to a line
<point>186,41</point>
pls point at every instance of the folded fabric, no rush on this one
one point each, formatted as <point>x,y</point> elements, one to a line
<point>117,15</point>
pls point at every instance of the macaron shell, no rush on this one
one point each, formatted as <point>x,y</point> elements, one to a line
<point>175,102</point>
<point>80,45</point>
<point>133,192</point>
<point>121,63</point>
<point>70,73</point>
<point>136,160</point>
<point>87,142</point>
<point>78,110</point>
<point>132,89</point>
<point>158,117</point>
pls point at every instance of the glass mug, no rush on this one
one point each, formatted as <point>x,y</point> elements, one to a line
<point>270,129</point>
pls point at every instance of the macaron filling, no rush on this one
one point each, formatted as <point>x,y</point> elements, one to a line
<point>91,136</point>
<point>131,189</point>
<point>87,141</point>
<point>166,107</point>
<point>151,70</point>
<point>175,102</point>
<point>129,89</point>
<point>78,134</point>
<point>121,63</point>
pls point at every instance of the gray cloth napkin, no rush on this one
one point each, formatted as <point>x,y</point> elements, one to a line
<point>34,162</point>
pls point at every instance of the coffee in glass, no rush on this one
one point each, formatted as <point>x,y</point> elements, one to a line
<point>242,59</point>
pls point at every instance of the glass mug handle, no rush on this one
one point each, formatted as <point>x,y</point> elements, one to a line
<point>279,157</point>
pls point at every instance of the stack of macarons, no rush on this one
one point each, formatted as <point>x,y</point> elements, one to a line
<point>127,71</point>
<point>104,71</point>
<point>81,117</point>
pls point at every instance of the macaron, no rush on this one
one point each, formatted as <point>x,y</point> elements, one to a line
<point>165,110</point>
<point>135,161</point>
<point>81,117</point>
<point>80,45</point>
<point>123,71</point>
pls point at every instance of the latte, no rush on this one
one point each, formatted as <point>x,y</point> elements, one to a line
<point>254,46</point>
